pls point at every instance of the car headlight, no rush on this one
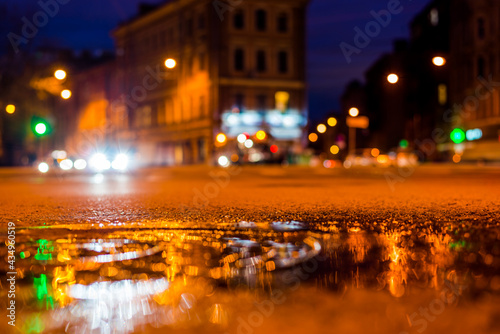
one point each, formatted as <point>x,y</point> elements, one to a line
<point>120,162</point>
<point>99,162</point>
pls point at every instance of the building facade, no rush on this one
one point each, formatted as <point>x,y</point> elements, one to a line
<point>239,68</point>
<point>475,77</point>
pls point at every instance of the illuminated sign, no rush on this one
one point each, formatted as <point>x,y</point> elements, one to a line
<point>474,134</point>
<point>281,125</point>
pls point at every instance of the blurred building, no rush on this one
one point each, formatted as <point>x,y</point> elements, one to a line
<point>475,77</point>
<point>239,68</point>
<point>454,102</point>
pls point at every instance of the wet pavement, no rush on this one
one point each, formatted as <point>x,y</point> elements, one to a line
<point>374,275</point>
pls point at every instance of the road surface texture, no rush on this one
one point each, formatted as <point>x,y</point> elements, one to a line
<point>259,249</point>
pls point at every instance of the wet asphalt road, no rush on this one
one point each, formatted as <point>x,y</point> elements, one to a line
<point>255,250</point>
<point>202,194</point>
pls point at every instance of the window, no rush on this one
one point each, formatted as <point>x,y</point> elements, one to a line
<point>434,17</point>
<point>239,100</point>
<point>261,103</point>
<point>481,31</point>
<point>283,22</point>
<point>189,66</point>
<point>480,67</point>
<point>239,60</point>
<point>239,20</point>
<point>201,61</point>
<point>261,20</point>
<point>283,62</point>
<point>189,27</point>
<point>261,61</point>
<point>202,107</point>
<point>442,94</point>
<point>282,99</point>
<point>201,22</point>
<point>143,117</point>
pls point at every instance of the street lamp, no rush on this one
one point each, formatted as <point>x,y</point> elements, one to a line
<point>332,121</point>
<point>438,61</point>
<point>10,109</point>
<point>170,63</point>
<point>392,78</point>
<point>321,128</point>
<point>354,112</point>
<point>313,137</point>
<point>60,74</point>
<point>66,94</point>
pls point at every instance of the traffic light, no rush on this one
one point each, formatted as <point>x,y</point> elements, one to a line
<point>457,136</point>
<point>40,126</point>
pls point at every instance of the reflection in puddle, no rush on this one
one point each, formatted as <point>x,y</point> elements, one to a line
<point>130,279</point>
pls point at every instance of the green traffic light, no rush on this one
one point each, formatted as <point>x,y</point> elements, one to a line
<point>40,128</point>
<point>457,136</point>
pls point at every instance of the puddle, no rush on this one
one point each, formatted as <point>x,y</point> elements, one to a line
<point>124,278</point>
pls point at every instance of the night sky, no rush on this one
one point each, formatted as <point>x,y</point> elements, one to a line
<point>86,24</point>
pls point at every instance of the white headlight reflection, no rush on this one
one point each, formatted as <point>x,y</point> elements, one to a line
<point>120,162</point>
<point>66,164</point>
<point>99,162</point>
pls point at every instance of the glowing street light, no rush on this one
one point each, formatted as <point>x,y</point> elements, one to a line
<point>438,61</point>
<point>66,94</point>
<point>221,138</point>
<point>60,74</point>
<point>10,109</point>
<point>354,112</point>
<point>334,149</point>
<point>332,121</point>
<point>321,128</point>
<point>170,63</point>
<point>313,137</point>
<point>392,78</point>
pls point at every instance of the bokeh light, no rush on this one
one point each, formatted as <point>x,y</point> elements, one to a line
<point>457,136</point>
<point>66,94</point>
<point>313,137</point>
<point>354,112</point>
<point>223,161</point>
<point>392,78</point>
<point>375,152</point>
<point>170,63</point>
<point>10,109</point>
<point>221,138</point>
<point>60,74</point>
<point>332,121</point>
<point>43,167</point>
<point>321,128</point>
<point>260,135</point>
<point>334,149</point>
<point>438,61</point>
